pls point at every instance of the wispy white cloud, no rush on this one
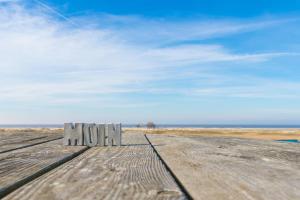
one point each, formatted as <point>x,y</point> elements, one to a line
<point>46,58</point>
<point>161,31</point>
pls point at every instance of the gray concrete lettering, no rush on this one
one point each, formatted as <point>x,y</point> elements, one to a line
<point>101,134</point>
<point>114,134</point>
<point>73,135</point>
<point>92,134</point>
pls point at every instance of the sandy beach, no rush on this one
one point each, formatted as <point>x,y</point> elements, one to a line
<point>254,133</point>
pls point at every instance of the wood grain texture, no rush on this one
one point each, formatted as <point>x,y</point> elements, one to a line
<point>12,140</point>
<point>7,135</point>
<point>132,171</point>
<point>27,143</point>
<point>17,165</point>
<point>231,168</point>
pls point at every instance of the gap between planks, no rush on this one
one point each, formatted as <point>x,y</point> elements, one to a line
<point>181,186</point>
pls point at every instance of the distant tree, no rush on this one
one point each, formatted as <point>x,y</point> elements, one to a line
<point>139,125</point>
<point>150,125</point>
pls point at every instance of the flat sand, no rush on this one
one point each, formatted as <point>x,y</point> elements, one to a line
<point>254,133</point>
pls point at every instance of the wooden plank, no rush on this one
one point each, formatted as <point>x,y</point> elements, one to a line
<point>232,168</point>
<point>18,137</point>
<point>12,139</point>
<point>132,171</point>
<point>15,135</point>
<point>20,166</point>
<point>20,142</point>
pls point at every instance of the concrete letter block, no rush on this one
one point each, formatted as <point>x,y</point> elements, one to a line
<point>101,134</point>
<point>114,134</point>
<point>90,132</point>
<point>118,134</point>
<point>73,135</point>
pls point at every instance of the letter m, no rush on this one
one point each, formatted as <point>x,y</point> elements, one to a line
<point>73,135</point>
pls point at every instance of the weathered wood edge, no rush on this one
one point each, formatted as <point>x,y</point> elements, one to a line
<point>178,182</point>
<point>8,189</point>
<point>30,145</point>
<point>24,140</point>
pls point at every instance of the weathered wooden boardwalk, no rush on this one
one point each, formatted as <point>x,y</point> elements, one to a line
<point>37,166</point>
<point>50,170</point>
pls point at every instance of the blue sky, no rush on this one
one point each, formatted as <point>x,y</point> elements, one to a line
<point>178,8</point>
<point>207,62</point>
